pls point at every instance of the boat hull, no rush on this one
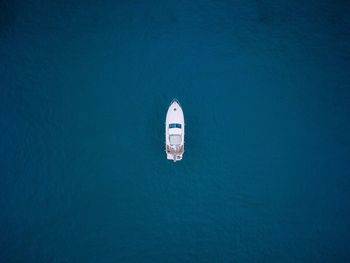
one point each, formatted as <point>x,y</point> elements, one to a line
<point>175,132</point>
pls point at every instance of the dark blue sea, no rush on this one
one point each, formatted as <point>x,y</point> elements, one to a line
<point>84,90</point>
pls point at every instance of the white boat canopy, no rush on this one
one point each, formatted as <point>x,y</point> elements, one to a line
<point>175,139</point>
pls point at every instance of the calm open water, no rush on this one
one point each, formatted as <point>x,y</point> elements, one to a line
<point>84,89</point>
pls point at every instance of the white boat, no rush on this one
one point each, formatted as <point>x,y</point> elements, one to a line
<point>174,132</point>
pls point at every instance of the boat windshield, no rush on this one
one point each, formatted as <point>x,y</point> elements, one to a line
<point>175,139</point>
<point>175,125</point>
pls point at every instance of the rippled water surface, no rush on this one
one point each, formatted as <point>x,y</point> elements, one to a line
<point>84,89</point>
